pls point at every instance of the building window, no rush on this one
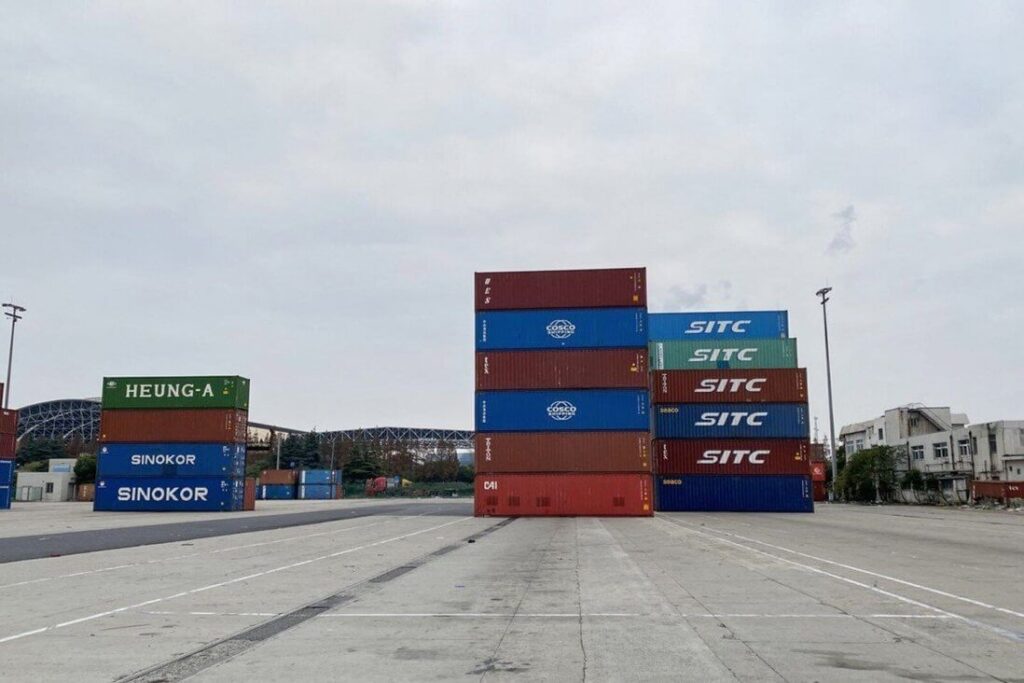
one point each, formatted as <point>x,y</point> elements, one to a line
<point>881,435</point>
<point>974,444</point>
<point>913,422</point>
<point>963,447</point>
<point>940,450</point>
<point>917,452</point>
<point>992,444</point>
<point>49,487</point>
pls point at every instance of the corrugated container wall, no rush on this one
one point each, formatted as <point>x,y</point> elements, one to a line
<point>8,420</point>
<point>731,421</point>
<point>175,392</point>
<point>734,494</point>
<point>569,328</point>
<point>174,426</point>
<point>195,494</point>
<point>563,452</point>
<point>8,446</point>
<point>736,354</point>
<point>731,456</point>
<point>719,325</point>
<point>561,289</point>
<point>562,369</point>
<point>568,410</point>
<point>278,477</point>
<point>607,495</point>
<point>171,460</point>
<point>730,386</point>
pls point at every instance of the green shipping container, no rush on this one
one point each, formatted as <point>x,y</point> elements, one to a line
<point>175,392</point>
<point>723,354</point>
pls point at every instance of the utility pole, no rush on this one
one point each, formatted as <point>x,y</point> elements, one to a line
<point>15,315</point>
<point>277,447</point>
<point>823,293</point>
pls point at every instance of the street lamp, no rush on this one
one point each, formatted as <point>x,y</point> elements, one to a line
<point>823,293</point>
<point>15,315</point>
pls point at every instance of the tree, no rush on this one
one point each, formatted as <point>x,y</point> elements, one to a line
<point>913,480</point>
<point>39,450</point>
<point>439,464</point>
<point>868,474</point>
<point>363,463</point>
<point>85,469</point>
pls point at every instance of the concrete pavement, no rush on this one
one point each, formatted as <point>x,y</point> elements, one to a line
<point>849,593</point>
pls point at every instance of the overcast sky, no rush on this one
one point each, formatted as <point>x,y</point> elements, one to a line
<point>300,194</point>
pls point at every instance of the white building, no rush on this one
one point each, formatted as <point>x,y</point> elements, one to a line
<point>937,441</point>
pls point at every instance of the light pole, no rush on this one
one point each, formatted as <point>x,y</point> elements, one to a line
<point>823,293</point>
<point>15,315</point>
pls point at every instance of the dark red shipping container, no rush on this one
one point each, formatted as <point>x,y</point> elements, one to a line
<point>818,491</point>
<point>563,452</point>
<point>730,386</point>
<point>997,489</point>
<point>8,420</point>
<point>818,470</point>
<point>278,477</point>
<point>249,499</point>
<point>606,288</point>
<point>210,425</point>
<point>8,446</point>
<point>563,495</point>
<point>562,369</point>
<point>731,456</point>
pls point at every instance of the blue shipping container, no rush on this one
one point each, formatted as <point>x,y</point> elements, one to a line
<point>719,325</point>
<point>6,472</point>
<point>731,421</point>
<point>194,494</point>
<point>6,493</point>
<point>586,410</point>
<point>277,492</point>
<point>740,493</point>
<point>571,328</point>
<point>319,476</point>
<point>171,460</point>
<point>317,491</point>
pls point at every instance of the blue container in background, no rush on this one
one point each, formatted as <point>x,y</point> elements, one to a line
<point>171,460</point>
<point>320,477</point>
<point>6,494</point>
<point>318,491</point>
<point>741,493</point>
<point>156,494</point>
<point>277,492</point>
<point>570,328</point>
<point>719,325</point>
<point>731,421</point>
<point>582,410</point>
<point>6,472</point>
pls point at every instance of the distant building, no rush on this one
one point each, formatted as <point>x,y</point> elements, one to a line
<point>939,442</point>
<point>55,486</point>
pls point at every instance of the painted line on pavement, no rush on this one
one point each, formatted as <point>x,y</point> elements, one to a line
<point>567,615</point>
<point>247,577</point>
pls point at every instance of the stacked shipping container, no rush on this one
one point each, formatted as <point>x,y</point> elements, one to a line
<point>172,444</point>
<point>730,413</point>
<point>562,419</point>
<point>8,451</point>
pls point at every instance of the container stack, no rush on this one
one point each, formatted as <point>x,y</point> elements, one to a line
<point>730,413</point>
<point>172,444</point>
<point>562,418</point>
<point>319,484</point>
<point>8,452</point>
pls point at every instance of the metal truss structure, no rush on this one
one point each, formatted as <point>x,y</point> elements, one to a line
<point>61,419</point>
<point>459,438</point>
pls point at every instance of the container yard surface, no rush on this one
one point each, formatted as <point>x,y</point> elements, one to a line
<point>397,591</point>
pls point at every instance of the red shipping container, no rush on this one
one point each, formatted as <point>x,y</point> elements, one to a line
<point>613,287</point>
<point>562,369</point>
<point>818,468</point>
<point>997,489</point>
<point>563,495</point>
<point>249,499</point>
<point>563,452</point>
<point>731,456</point>
<point>730,386</point>
<point>278,477</point>
<point>210,425</point>
<point>8,446</point>
<point>8,420</point>
<point>818,491</point>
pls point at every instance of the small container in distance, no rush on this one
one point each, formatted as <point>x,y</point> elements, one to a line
<point>561,289</point>
<point>553,495</point>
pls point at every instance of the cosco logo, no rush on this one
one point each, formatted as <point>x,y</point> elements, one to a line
<point>490,486</point>
<point>561,411</point>
<point>705,355</point>
<point>718,326</point>
<point>560,329</point>
<point>731,419</point>
<point>730,386</point>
